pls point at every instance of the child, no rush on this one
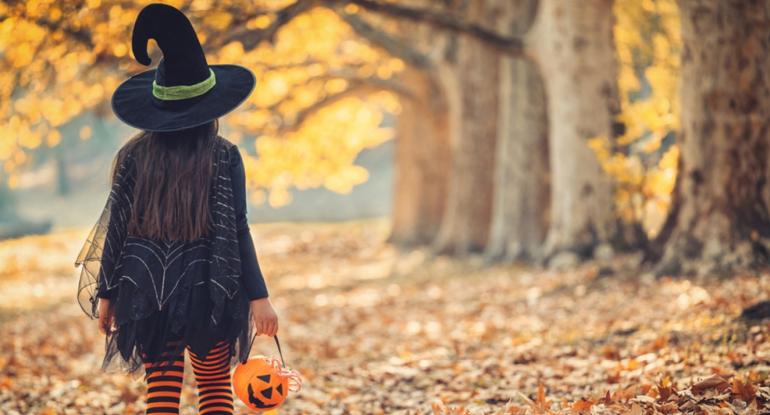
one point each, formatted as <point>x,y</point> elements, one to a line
<point>170,265</point>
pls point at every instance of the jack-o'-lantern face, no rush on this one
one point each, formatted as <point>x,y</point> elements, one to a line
<point>268,392</point>
<point>259,385</point>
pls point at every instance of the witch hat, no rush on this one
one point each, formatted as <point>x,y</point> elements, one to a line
<point>184,91</point>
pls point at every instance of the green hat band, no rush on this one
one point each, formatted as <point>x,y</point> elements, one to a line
<point>177,92</point>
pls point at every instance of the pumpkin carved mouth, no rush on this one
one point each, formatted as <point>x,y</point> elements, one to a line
<point>266,393</point>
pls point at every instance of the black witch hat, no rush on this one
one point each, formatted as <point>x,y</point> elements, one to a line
<point>184,91</point>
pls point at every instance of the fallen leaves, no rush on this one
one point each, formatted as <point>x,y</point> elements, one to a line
<point>744,391</point>
<point>438,337</point>
<point>715,382</point>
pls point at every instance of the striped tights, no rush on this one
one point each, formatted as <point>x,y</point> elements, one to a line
<point>212,374</point>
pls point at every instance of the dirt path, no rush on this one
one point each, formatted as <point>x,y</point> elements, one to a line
<point>375,331</point>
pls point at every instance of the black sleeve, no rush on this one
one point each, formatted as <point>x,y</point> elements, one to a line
<point>253,280</point>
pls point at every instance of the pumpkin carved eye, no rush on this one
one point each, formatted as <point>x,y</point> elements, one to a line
<point>267,393</point>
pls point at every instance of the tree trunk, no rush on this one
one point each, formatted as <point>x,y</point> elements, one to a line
<point>521,195</point>
<point>8,208</point>
<point>466,221</point>
<point>721,223</point>
<point>63,187</point>
<point>573,43</point>
<point>421,161</point>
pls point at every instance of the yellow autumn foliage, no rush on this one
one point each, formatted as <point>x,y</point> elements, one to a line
<point>648,44</point>
<point>313,110</point>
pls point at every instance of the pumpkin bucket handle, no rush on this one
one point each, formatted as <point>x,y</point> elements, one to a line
<point>277,343</point>
<point>295,380</point>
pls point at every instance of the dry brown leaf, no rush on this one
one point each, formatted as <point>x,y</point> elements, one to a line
<point>745,391</point>
<point>636,410</point>
<point>582,405</point>
<point>714,382</point>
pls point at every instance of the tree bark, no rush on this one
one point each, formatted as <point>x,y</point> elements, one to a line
<point>8,208</point>
<point>466,222</point>
<point>421,161</point>
<point>521,195</point>
<point>63,187</point>
<point>573,43</point>
<point>722,223</point>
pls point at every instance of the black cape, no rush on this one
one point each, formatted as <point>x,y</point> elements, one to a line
<point>167,290</point>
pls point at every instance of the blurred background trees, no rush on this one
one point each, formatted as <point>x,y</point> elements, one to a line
<point>543,130</point>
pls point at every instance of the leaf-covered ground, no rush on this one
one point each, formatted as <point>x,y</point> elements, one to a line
<point>378,331</point>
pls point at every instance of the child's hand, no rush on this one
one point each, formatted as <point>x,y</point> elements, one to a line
<point>106,316</point>
<point>265,319</point>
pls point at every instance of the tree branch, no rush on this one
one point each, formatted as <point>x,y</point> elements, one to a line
<point>513,46</point>
<point>251,38</point>
<point>373,81</point>
<point>387,42</point>
<point>81,36</point>
<point>357,86</point>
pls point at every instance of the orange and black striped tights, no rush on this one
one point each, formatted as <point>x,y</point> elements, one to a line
<point>212,374</point>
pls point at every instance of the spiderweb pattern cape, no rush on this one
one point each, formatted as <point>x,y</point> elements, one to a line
<point>167,290</point>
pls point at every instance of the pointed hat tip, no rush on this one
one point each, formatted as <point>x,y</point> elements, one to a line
<point>152,21</point>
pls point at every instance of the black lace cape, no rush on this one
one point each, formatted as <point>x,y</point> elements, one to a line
<point>165,290</point>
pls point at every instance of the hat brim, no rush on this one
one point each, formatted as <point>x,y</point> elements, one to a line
<point>134,104</point>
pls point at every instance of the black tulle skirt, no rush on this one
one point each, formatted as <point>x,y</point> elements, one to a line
<point>164,294</point>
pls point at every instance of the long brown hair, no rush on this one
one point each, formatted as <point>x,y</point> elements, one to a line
<point>172,182</point>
